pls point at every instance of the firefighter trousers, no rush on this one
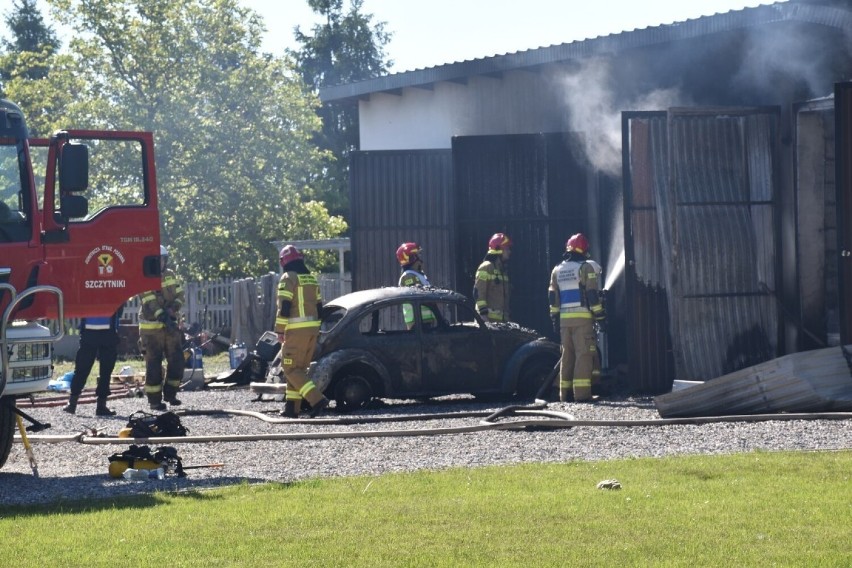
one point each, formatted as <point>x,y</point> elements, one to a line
<point>578,357</point>
<point>160,344</point>
<point>296,354</point>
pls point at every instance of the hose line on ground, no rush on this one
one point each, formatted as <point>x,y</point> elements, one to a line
<point>525,417</point>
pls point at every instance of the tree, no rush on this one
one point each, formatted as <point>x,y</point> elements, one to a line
<point>346,47</point>
<point>28,59</point>
<point>29,31</point>
<point>233,127</point>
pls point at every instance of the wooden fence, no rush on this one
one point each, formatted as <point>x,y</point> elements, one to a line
<point>210,305</point>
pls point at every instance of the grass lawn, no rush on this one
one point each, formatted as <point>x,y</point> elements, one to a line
<point>756,509</point>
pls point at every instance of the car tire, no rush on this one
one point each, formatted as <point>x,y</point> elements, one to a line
<point>532,377</point>
<point>352,392</point>
<point>7,428</point>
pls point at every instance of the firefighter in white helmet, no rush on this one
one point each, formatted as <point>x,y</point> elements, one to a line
<point>159,318</point>
<point>409,256</point>
<point>575,304</point>
<point>297,325</point>
<point>491,288</point>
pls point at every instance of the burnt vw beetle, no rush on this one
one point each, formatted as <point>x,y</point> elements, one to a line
<point>366,349</point>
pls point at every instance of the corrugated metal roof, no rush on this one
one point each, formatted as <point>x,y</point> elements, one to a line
<point>602,45</point>
<point>812,381</point>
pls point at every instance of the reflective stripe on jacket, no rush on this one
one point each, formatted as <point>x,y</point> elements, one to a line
<point>569,281</point>
<point>303,293</point>
<point>491,289</point>
<point>155,303</point>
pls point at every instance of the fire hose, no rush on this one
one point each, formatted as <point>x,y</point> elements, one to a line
<point>529,417</point>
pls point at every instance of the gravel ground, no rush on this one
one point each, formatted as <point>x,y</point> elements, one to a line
<point>71,471</point>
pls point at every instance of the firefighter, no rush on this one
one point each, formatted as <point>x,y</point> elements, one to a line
<point>575,304</point>
<point>491,288</point>
<point>161,337</point>
<point>297,325</point>
<point>98,340</point>
<point>411,262</point>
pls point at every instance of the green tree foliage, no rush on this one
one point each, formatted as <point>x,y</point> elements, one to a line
<point>233,127</point>
<point>28,57</point>
<point>29,32</point>
<point>344,48</point>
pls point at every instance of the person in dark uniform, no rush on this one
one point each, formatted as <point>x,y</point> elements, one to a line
<point>98,340</point>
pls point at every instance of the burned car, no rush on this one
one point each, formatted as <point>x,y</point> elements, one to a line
<point>366,350</point>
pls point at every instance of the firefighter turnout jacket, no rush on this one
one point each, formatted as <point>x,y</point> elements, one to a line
<point>299,300</point>
<point>160,308</point>
<point>491,290</point>
<point>574,291</point>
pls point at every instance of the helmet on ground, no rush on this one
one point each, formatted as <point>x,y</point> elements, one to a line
<point>288,254</point>
<point>498,243</point>
<point>577,243</point>
<point>408,253</point>
<point>164,251</point>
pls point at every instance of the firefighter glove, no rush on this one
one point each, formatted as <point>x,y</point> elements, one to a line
<point>483,311</point>
<point>171,323</point>
<point>601,325</point>
<point>554,319</point>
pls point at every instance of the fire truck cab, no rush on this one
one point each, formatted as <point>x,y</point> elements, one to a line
<point>79,236</point>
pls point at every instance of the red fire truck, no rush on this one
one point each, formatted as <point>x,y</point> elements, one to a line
<point>79,236</point>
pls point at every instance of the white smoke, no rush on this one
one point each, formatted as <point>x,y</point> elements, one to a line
<point>593,111</point>
<point>772,57</point>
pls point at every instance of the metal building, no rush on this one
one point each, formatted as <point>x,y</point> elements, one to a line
<point>697,156</point>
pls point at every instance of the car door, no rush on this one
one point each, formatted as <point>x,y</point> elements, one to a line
<point>383,335</point>
<point>458,354</point>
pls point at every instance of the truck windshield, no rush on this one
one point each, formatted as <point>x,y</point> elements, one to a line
<point>11,198</point>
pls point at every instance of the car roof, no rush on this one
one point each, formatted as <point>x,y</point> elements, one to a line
<point>374,295</point>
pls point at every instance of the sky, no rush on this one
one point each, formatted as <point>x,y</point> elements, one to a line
<point>427,33</point>
<point>435,32</point>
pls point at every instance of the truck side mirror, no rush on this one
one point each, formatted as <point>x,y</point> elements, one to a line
<point>74,206</point>
<point>74,168</point>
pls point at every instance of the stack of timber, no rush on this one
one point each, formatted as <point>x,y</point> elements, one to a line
<point>811,381</point>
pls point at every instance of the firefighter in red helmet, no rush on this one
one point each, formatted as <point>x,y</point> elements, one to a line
<point>410,260</point>
<point>297,324</point>
<point>491,288</point>
<point>575,304</point>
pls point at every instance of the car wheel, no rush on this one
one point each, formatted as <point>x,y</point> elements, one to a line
<point>533,375</point>
<point>352,392</point>
<point>7,428</point>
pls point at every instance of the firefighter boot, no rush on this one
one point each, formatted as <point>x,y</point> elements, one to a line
<point>102,409</point>
<point>154,403</point>
<point>316,409</point>
<point>170,396</point>
<point>71,407</point>
<point>289,410</point>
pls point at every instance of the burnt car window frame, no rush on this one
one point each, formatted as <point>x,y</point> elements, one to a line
<point>332,318</point>
<point>382,327</point>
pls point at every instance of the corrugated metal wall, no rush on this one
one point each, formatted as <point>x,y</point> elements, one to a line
<point>396,197</point>
<point>714,253</point>
<point>843,138</point>
<point>816,226</point>
<point>534,188</point>
<point>649,345</point>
